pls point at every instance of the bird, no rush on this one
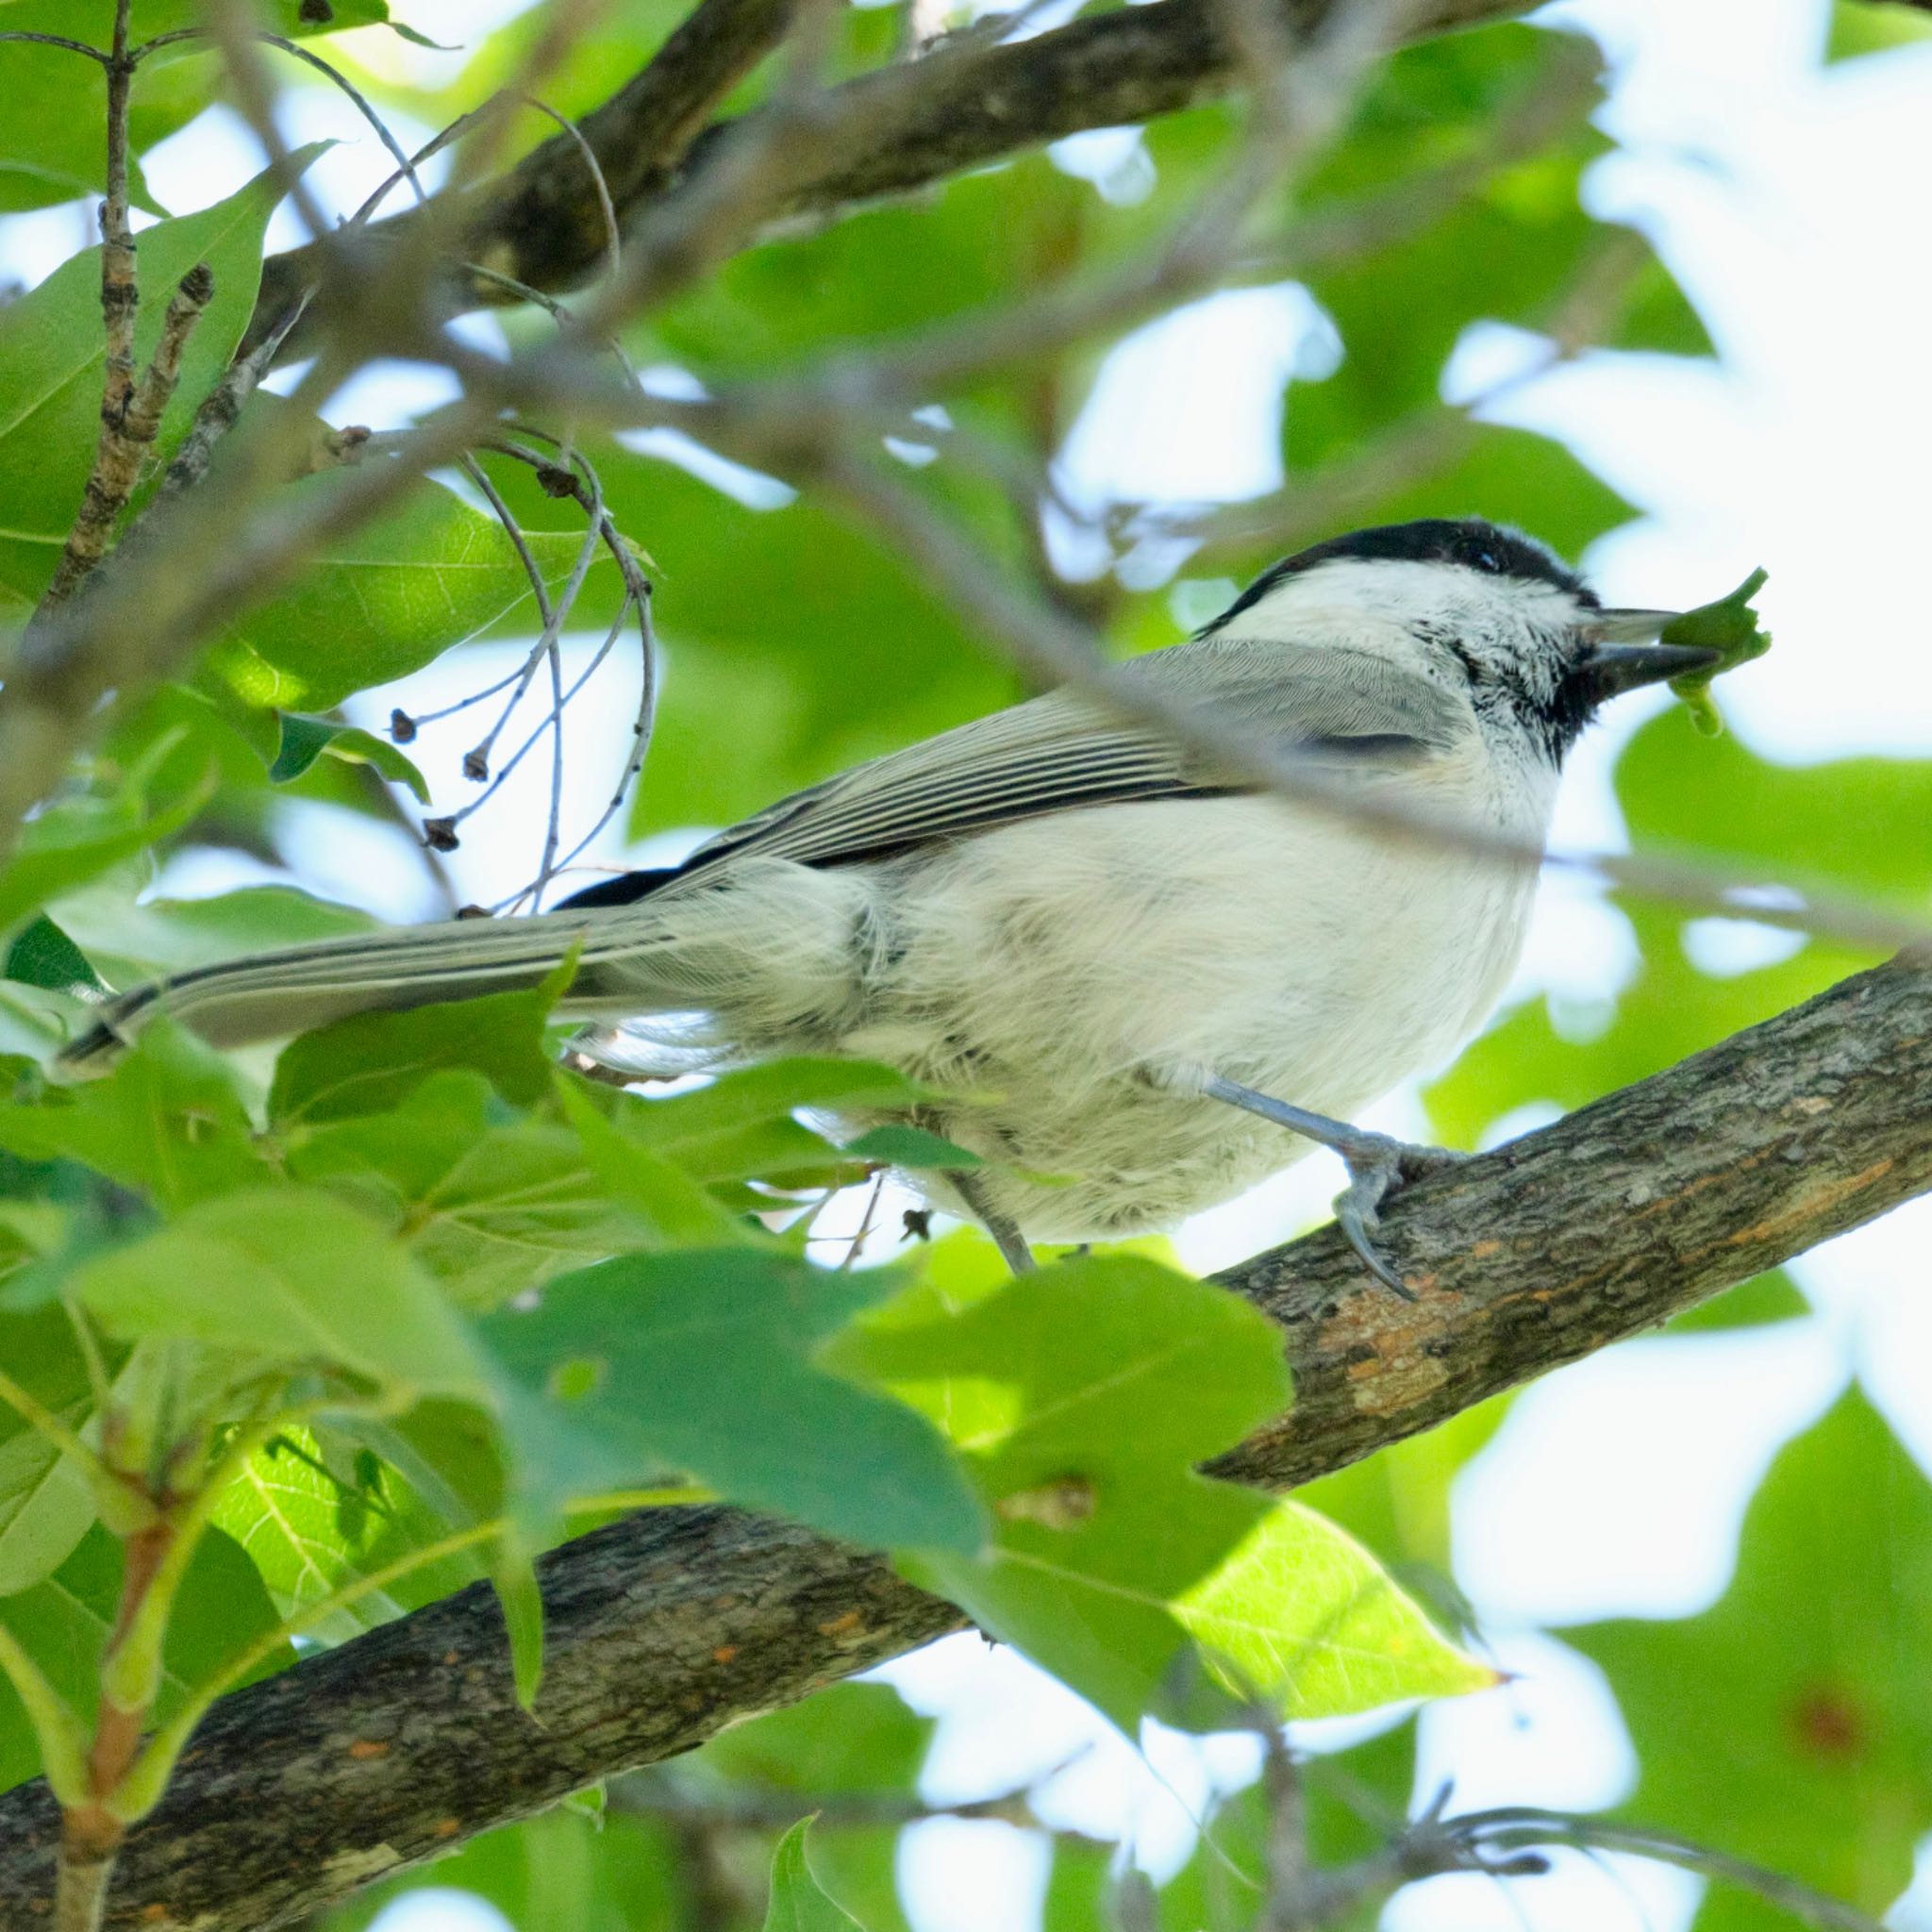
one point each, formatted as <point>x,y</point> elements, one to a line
<point>1134,981</point>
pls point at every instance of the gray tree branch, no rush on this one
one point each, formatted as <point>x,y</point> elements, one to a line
<point>959,106</point>
<point>667,1626</point>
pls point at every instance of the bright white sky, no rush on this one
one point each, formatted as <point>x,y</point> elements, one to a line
<point>1770,186</point>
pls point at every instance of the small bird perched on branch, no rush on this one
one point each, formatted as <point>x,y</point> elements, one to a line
<point>1142,982</point>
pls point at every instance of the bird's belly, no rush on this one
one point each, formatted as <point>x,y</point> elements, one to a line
<point>1069,977</point>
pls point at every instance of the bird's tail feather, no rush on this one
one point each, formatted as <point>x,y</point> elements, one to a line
<point>270,995</point>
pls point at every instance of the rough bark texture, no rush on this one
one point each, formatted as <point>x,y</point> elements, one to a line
<point>955,109</point>
<point>668,1626</point>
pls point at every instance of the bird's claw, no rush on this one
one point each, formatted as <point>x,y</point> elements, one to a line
<point>1379,1166</point>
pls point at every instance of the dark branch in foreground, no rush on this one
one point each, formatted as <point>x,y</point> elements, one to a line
<point>667,1626</point>
<point>961,107</point>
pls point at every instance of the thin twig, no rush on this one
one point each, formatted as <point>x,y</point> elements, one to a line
<point>120,293</point>
<point>127,439</point>
<point>94,53</point>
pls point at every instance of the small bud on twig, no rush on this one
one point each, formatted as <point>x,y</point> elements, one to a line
<point>477,764</point>
<point>401,728</point>
<point>440,835</point>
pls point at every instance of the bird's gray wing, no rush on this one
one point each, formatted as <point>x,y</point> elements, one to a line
<point>1062,751</point>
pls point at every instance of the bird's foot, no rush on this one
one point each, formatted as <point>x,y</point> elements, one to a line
<point>1378,1164</point>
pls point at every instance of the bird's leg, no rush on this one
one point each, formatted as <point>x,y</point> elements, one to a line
<point>1377,1165</point>
<point>1006,1237</point>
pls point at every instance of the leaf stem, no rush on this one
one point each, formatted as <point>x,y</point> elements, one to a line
<point>43,1421</point>
<point>57,1730</point>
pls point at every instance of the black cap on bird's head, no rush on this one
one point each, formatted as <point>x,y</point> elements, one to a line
<point>1590,654</point>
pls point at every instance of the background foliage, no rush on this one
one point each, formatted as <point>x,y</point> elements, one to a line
<point>410,1304</point>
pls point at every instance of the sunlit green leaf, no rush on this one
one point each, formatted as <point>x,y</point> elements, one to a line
<point>384,599</point>
<point>1081,1399</point>
<point>1301,1614</point>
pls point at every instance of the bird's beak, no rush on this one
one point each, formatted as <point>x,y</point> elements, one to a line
<point>1626,627</point>
<point>1622,658</point>
<point>1611,670</point>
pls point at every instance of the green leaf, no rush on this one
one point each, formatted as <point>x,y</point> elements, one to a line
<point>1809,1681</point>
<point>798,1903</point>
<point>706,1363</point>
<point>850,1740</point>
<point>221,1609</point>
<point>1858,27</point>
<point>131,941</point>
<point>1301,1615</point>
<point>1730,627</point>
<point>1683,792</point>
<point>490,1207</point>
<point>305,738</point>
<point>384,599</point>
<point>895,1145</point>
<point>43,955</point>
<point>168,1121</point>
<point>370,1062</point>
<point>1081,1400</point>
<point>45,1504</point>
<point>664,1199</point>
<point>70,844</point>
<point>293,1276</point>
<point>310,1528</point>
<point>51,356</point>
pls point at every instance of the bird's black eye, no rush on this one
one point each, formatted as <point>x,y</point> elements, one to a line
<point>1489,561</point>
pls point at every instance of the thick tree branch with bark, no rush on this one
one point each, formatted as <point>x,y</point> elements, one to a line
<point>667,1626</point>
<point>962,106</point>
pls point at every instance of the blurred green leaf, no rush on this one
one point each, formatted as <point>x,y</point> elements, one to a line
<point>798,1901</point>
<point>707,1363</point>
<point>666,1200</point>
<point>1686,794</point>
<point>897,1145</point>
<point>555,1871</point>
<point>305,738</point>
<point>45,1504</point>
<point>52,139</point>
<point>64,1621</point>
<point>850,1741</point>
<point>1765,1298</point>
<point>1808,1684</point>
<point>491,1205</point>
<point>79,840</point>
<point>293,1276</point>
<point>1858,27</point>
<point>51,356</point>
<point>130,940</point>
